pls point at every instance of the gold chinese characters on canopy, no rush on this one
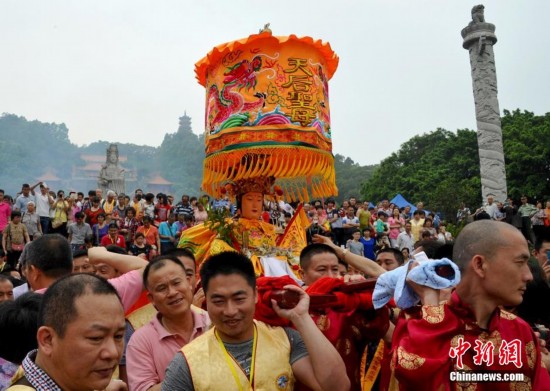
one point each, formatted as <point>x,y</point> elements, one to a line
<point>268,114</point>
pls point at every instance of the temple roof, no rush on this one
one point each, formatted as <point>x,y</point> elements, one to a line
<point>48,176</point>
<point>158,180</point>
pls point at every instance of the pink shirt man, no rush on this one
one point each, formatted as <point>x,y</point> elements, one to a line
<point>152,347</point>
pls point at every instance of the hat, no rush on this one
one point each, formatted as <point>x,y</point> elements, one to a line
<point>268,116</point>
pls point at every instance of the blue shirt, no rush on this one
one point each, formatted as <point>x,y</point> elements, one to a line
<point>368,247</point>
<point>166,230</point>
<point>22,201</point>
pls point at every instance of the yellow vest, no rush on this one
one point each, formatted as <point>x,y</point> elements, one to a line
<point>145,314</point>
<point>210,371</point>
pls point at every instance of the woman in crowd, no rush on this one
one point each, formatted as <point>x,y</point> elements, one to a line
<point>148,208</point>
<point>537,221</point>
<point>100,229</point>
<point>129,225</point>
<point>140,248</point>
<point>396,223</point>
<point>200,214</point>
<point>60,209</point>
<point>14,238</point>
<point>443,236</point>
<point>429,226</point>
<point>162,209</point>
<point>93,212</point>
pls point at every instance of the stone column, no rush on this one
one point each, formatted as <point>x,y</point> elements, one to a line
<point>479,38</point>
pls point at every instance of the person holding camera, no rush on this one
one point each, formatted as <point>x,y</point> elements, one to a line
<point>314,229</point>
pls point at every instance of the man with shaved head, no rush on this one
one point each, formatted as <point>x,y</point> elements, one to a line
<point>435,342</point>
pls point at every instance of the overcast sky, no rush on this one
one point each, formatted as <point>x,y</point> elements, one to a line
<point>123,71</point>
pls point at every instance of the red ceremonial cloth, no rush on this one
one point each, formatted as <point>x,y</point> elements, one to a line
<point>264,310</point>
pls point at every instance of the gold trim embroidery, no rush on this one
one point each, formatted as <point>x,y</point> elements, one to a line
<point>507,315</point>
<point>531,354</point>
<point>524,385</point>
<point>408,360</point>
<point>433,313</point>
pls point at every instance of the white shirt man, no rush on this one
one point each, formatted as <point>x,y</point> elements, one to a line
<point>405,239</point>
<point>491,208</point>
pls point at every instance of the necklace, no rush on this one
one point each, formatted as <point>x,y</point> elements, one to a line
<point>231,364</point>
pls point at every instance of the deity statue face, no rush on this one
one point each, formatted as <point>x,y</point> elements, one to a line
<point>111,157</point>
<point>252,205</point>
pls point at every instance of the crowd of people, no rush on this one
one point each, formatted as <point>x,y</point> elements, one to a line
<point>95,294</point>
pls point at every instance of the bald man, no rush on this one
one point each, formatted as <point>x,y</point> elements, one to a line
<point>471,332</point>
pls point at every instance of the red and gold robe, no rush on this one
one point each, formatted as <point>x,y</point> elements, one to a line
<point>430,342</point>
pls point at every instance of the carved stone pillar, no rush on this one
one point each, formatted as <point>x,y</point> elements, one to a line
<point>479,38</point>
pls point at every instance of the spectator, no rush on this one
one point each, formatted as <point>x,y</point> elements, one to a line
<point>43,204</point>
<point>162,209</point>
<point>60,210</point>
<point>119,213</point>
<point>396,224</point>
<point>129,225</point>
<point>19,324</point>
<point>151,234</point>
<point>428,227</point>
<point>526,211</point>
<point>354,245</point>
<point>113,237</point>
<point>78,232</point>
<point>417,224</point>
<point>184,207</point>
<point>200,214</point>
<point>350,223</point>
<point>368,244</point>
<point>93,212</point>
<point>148,207</point>
<point>14,239</point>
<point>405,238</point>
<point>31,220</point>
<point>5,213</point>
<point>167,233</point>
<point>100,229</point>
<point>27,194</point>
<point>139,247</point>
<point>364,216</point>
<point>382,230</point>
<point>6,290</point>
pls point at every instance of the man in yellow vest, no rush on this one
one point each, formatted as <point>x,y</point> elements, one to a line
<point>239,353</point>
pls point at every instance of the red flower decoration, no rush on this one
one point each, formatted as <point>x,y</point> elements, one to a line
<point>295,267</point>
<point>223,190</point>
<point>278,190</point>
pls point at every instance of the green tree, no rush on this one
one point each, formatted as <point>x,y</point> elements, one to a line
<point>439,168</point>
<point>180,158</point>
<point>29,148</point>
<point>350,176</point>
<point>526,140</point>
